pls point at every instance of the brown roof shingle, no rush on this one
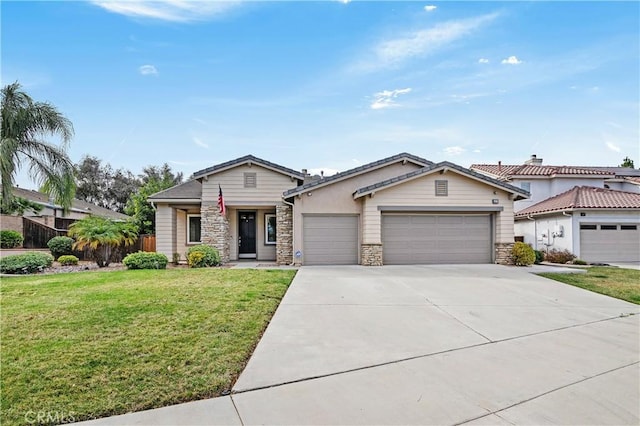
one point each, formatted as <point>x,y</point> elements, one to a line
<point>584,197</point>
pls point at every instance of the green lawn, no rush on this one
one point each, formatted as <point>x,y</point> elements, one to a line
<point>95,344</point>
<point>616,282</point>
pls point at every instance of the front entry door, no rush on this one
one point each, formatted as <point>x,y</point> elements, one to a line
<point>247,235</point>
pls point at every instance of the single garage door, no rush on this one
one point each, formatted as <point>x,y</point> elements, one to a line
<point>330,240</point>
<point>610,242</point>
<point>429,238</point>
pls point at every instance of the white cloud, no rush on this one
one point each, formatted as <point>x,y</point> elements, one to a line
<point>430,8</point>
<point>148,70</point>
<point>454,150</point>
<point>512,60</point>
<point>390,53</point>
<point>168,10</point>
<point>477,151</point>
<point>613,147</point>
<point>199,142</point>
<point>483,61</point>
<point>387,98</point>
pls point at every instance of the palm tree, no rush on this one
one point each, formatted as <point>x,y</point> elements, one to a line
<point>25,123</point>
<point>102,236</point>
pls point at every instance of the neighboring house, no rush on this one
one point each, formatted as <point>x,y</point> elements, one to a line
<point>595,224</point>
<point>607,192</point>
<point>37,228</point>
<point>399,210</point>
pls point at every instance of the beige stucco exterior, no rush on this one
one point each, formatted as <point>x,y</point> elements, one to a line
<point>463,193</point>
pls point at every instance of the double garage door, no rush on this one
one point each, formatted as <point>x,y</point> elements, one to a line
<point>406,239</point>
<point>610,242</point>
<point>430,238</point>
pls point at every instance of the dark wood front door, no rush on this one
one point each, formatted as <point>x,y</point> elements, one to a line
<point>247,235</point>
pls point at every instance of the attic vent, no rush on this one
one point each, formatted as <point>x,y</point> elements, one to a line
<point>250,180</point>
<point>442,188</point>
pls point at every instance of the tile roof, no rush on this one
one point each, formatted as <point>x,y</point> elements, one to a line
<point>357,170</point>
<point>431,168</point>
<point>246,159</point>
<point>76,205</point>
<point>508,170</point>
<point>191,189</point>
<point>618,171</point>
<point>633,179</point>
<point>584,197</point>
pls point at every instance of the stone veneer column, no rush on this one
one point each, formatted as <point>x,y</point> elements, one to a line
<point>371,254</point>
<point>215,230</point>
<point>284,235</point>
<point>503,253</point>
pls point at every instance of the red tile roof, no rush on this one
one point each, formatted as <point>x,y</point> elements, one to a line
<point>510,170</point>
<point>584,197</point>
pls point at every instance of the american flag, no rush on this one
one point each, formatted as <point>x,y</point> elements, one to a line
<point>223,209</point>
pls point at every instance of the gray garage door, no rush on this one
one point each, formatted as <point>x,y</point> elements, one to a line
<point>427,238</point>
<point>330,240</point>
<point>610,242</point>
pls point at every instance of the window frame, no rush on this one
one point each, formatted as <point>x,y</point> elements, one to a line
<point>527,184</point>
<point>268,216</point>
<point>188,228</point>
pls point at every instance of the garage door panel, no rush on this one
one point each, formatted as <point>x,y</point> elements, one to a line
<point>610,245</point>
<point>423,239</point>
<point>330,240</point>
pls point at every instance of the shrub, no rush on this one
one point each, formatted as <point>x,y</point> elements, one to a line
<point>539,256</point>
<point>202,256</point>
<point>68,259</point>
<point>559,256</point>
<point>10,239</point>
<point>27,263</point>
<point>523,254</point>
<point>176,258</point>
<point>145,260</point>
<point>579,262</point>
<point>60,246</point>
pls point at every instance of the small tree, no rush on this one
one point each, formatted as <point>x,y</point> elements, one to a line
<point>103,236</point>
<point>627,162</point>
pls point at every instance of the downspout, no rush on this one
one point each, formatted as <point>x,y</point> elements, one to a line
<point>293,232</point>
<point>535,231</point>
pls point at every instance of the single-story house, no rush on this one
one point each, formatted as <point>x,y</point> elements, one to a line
<point>399,210</point>
<point>595,224</point>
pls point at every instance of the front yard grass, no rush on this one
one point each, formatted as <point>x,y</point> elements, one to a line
<point>88,345</point>
<point>616,282</point>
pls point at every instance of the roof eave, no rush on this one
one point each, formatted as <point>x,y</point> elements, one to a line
<point>204,174</point>
<point>175,200</point>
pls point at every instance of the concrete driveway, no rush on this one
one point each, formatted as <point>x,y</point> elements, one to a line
<point>463,344</point>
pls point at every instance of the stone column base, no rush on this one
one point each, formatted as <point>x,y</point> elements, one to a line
<point>503,253</point>
<point>284,235</point>
<point>215,231</point>
<point>371,254</point>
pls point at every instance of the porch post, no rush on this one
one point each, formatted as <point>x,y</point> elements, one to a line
<point>215,230</point>
<point>284,234</point>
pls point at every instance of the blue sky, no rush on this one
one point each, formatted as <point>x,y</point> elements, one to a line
<point>331,85</point>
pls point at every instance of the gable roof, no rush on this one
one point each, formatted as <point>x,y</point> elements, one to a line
<point>507,171</point>
<point>189,190</point>
<point>433,168</point>
<point>246,160</point>
<point>77,206</point>
<point>584,197</point>
<point>618,171</point>
<point>358,170</point>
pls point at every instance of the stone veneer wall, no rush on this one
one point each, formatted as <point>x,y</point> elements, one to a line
<point>13,223</point>
<point>284,235</point>
<point>371,254</point>
<point>503,253</point>
<point>215,230</point>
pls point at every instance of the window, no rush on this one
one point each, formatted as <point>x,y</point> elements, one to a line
<point>442,189</point>
<point>193,229</point>
<point>269,228</point>
<point>628,227</point>
<point>250,180</point>
<point>591,227</point>
<point>526,186</point>
<point>608,227</point>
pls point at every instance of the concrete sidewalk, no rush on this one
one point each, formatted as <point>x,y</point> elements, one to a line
<point>483,344</point>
